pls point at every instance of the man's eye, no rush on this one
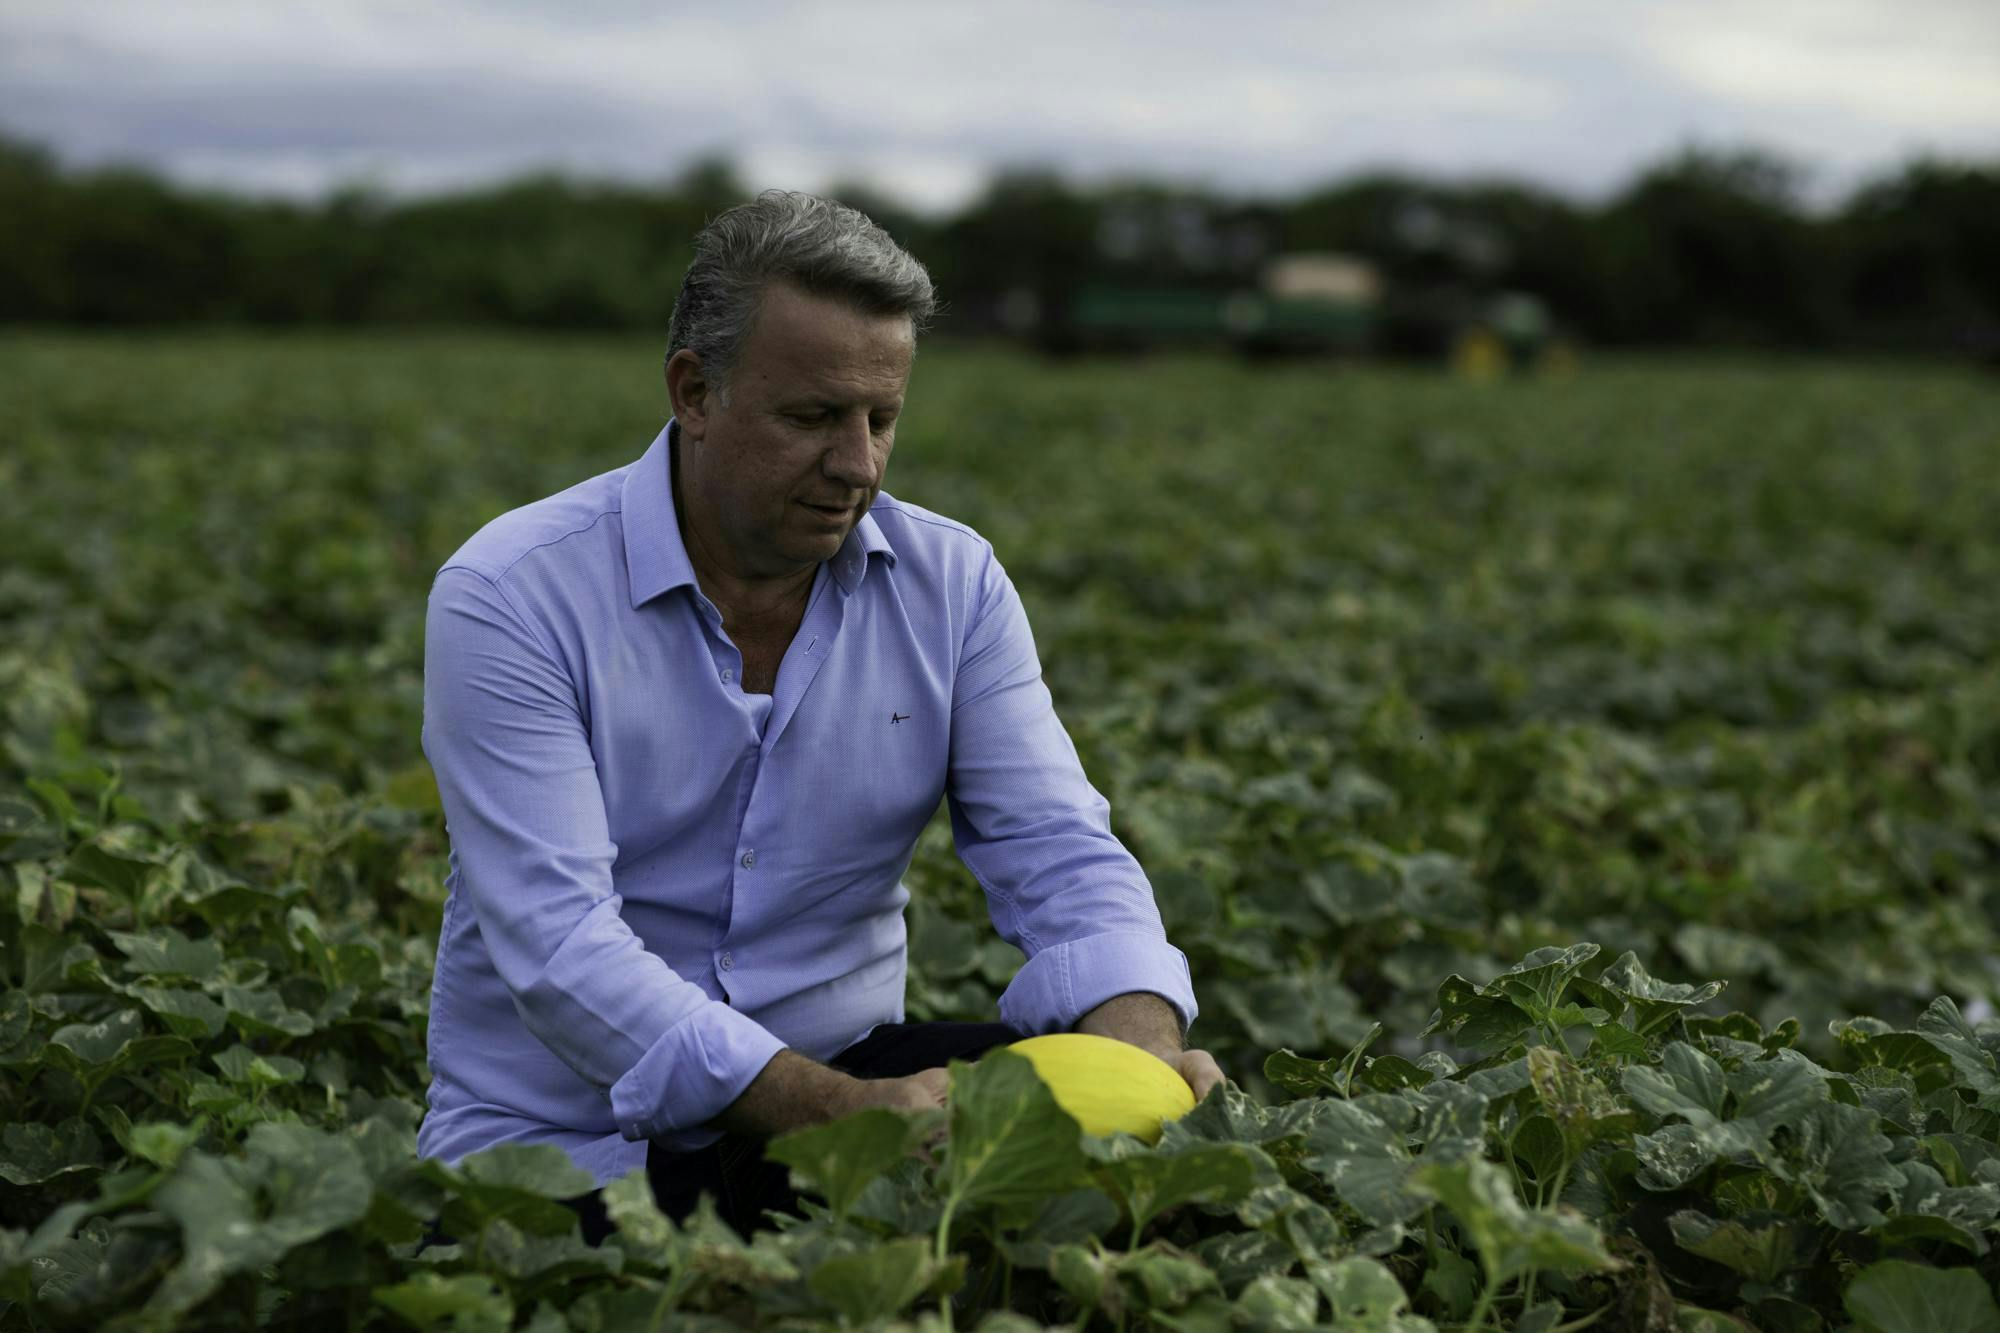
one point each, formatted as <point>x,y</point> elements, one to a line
<point>883,424</point>
<point>808,418</point>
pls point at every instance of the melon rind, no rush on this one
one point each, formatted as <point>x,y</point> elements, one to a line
<point>1108,1085</point>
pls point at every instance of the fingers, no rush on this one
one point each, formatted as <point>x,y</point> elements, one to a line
<point>1200,1071</point>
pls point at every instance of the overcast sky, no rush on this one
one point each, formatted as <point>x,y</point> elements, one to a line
<point>924,98</point>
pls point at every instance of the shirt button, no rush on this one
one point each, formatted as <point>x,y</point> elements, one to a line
<point>727,675</point>
<point>749,859</point>
<point>727,962</point>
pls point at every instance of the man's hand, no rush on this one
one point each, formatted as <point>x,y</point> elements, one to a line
<point>922,1091</point>
<point>1149,1022</point>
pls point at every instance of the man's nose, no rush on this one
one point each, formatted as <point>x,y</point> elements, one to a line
<point>852,459</point>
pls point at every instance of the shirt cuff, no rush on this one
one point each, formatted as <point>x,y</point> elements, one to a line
<point>1065,981</point>
<point>691,1075</point>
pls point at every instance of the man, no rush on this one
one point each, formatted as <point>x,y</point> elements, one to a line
<point>688,719</point>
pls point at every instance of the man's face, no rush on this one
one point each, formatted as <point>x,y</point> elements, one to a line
<point>810,421</point>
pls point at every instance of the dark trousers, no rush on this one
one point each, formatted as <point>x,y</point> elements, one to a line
<point>733,1169</point>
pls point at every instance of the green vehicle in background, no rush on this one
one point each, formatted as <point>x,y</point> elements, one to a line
<point>1305,305</point>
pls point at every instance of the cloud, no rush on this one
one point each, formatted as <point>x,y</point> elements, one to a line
<point>924,100</point>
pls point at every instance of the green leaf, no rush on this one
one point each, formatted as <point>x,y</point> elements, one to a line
<point>291,1186</point>
<point>263,1013</point>
<point>1496,1080</point>
<point>1538,1145</point>
<point>32,1152</point>
<point>1358,1148</point>
<point>840,1158</point>
<point>1509,1236</point>
<point>1729,1115</point>
<point>904,1201</point>
<point>464,1303</point>
<point>719,1257</point>
<point>1675,1155</point>
<point>1566,1016</point>
<point>103,1042</point>
<point>1842,1160</point>
<point>17,1021</point>
<point>1239,1257</point>
<point>1152,1182</point>
<point>518,1183</point>
<point>1303,1077</point>
<point>1897,1297</point>
<point>1582,1108</point>
<point>1451,1121</point>
<point>161,1142</point>
<point>1451,1280</point>
<point>1366,1298</point>
<point>641,1230</point>
<point>164,951</point>
<point>1064,1219</point>
<point>1974,1065</point>
<point>1762,1248</point>
<point>1470,1016</point>
<point>1908,1051</point>
<point>1169,1279</point>
<point>1960,1157</point>
<point>1686,1084</point>
<point>1010,1141</point>
<point>1655,1003</point>
<point>1777,1092</point>
<point>1928,1209</point>
<point>1228,1115</point>
<point>875,1283</point>
<point>186,1013</point>
<point>1086,1276</point>
<point>1306,1227</point>
<point>259,1072</point>
<point>1392,1073</point>
<point>102,866</point>
<point>25,832</point>
<point>1537,982</point>
<point>1279,1303</point>
<point>542,1261</point>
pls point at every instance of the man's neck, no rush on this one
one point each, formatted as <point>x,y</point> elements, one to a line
<point>744,603</point>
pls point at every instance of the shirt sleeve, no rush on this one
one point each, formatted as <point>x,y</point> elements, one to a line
<point>1037,836</point>
<point>506,738</point>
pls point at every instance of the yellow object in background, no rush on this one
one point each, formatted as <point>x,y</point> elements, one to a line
<point>1479,356</point>
<point>1108,1085</point>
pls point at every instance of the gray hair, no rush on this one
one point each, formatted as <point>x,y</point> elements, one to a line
<point>825,248</point>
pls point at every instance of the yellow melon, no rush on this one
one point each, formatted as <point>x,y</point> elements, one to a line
<point>1107,1084</point>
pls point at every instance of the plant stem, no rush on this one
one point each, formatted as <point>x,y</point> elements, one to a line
<point>1481,1308</point>
<point>944,1229</point>
<point>944,1248</point>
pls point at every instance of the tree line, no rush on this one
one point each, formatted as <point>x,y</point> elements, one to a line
<point>1705,248</point>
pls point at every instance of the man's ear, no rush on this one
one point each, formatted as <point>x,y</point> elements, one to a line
<point>690,391</point>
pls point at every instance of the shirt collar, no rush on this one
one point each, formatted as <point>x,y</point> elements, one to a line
<point>656,560</point>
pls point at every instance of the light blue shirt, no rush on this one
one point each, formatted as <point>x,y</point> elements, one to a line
<point>658,881</point>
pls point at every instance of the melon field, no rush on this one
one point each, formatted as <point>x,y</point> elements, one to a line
<point>1578,800</point>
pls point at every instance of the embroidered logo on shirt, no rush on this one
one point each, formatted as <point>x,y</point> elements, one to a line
<point>896,717</point>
